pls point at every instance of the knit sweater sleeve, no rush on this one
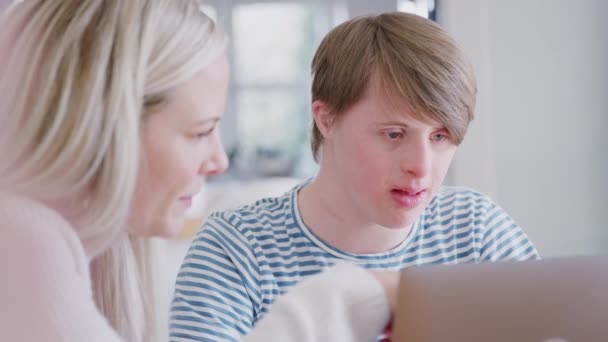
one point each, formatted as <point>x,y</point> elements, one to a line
<point>45,289</point>
<point>344,303</point>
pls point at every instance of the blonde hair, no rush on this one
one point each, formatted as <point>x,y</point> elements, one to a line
<point>414,60</point>
<point>76,80</point>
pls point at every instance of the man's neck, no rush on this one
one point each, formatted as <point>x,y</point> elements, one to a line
<point>333,218</point>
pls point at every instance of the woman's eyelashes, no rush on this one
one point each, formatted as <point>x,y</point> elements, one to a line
<point>205,132</point>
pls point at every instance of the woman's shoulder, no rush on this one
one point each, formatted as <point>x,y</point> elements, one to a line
<point>29,227</point>
<point>45,280</point>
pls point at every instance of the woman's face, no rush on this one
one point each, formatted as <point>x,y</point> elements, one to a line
<point>180,148</point>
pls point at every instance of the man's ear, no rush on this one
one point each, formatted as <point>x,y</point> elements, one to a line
<point>321,113</point>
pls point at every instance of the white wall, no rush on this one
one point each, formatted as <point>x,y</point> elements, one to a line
<point>539,144</point>
<point>4,3</point>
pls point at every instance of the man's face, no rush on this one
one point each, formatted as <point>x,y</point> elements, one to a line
<point>387,164</point>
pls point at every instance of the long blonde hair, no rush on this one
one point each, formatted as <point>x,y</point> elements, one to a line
<point>76,80</point>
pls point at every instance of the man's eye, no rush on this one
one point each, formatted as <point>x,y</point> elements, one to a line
<point>439,137</point>
<point>393,135</point>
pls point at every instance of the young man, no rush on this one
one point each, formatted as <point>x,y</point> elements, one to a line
<point>392,99</point>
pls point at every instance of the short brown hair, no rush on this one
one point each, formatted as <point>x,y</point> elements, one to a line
<point>414,59</point>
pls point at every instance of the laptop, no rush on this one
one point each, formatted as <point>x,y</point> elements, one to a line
<point>553,300</point>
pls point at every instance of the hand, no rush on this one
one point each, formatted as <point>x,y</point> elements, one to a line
<point>390,282</point>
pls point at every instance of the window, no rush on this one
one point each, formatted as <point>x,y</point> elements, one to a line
<point>267,120</point>
<point>273,46</point>
<point>424,8</point>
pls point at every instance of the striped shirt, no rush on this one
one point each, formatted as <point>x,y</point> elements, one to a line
<point>243,259</point>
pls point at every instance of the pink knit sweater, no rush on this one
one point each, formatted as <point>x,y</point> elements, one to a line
<point>45,290</point>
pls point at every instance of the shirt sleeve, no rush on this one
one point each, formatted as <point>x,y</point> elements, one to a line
<point>344,303</point>
<point>45,291</point>
<point>217,287</point>
<point>503,239</point>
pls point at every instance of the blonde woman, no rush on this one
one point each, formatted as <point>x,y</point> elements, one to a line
<point>108,121</point>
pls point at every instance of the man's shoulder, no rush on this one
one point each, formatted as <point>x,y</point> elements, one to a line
<point>257,212</point>
<point>258,218</point>
<point>453,199</point>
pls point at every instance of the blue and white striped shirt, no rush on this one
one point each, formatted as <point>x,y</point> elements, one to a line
<point>243,259</point>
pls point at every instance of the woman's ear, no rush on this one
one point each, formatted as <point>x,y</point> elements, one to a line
<point>322,116</point>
